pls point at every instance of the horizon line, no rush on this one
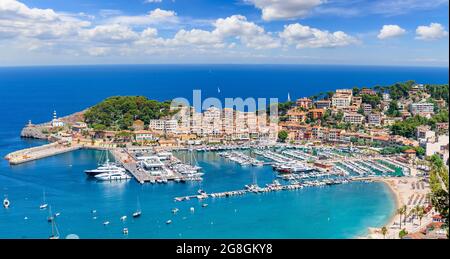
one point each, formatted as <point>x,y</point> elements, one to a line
<point>218,64</point>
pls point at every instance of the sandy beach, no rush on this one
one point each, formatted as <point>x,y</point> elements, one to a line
<point>409,191</point>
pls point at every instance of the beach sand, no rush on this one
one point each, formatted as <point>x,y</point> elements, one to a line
<point>403,191</point>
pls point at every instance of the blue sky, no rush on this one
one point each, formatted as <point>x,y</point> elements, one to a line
<point>366,32</point>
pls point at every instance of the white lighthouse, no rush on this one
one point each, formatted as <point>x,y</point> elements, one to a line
<point>56,122</point>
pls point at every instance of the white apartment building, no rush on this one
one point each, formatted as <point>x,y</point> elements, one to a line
<point>212,121</point>
<point>374,119</point>
<point>342,98</point>
<point>421,108</point>
<point>367,108</point>
<point>166,126</point>
<point>438,147</point>
<point>353,118</point>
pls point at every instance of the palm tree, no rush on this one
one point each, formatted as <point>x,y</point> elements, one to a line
<point>400,212</point>
<point>420,214</point>
<point>384,231</point>
<point>404,208</point>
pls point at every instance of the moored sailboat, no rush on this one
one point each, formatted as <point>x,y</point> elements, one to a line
<point>44,205</point>
<point>138,212</point>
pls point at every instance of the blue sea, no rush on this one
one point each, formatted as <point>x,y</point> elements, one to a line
<point>343,211</point>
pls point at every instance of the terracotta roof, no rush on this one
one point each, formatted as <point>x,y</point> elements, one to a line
<point>409,151</point>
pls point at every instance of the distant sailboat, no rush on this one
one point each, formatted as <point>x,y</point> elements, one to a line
<point>44,205</point>
<point>6,203</point>
<point>55,232</point>
<point>218,90</point>
<point>50,217</point>
<point>289,97</point>
<point>138,212</point>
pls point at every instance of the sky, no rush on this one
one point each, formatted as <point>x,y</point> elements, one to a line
<point>347,32</point>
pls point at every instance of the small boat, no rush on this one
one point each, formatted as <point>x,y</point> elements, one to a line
<point>57,214</point>
<point>44,205</point>
<point>138,212</point>
<point>174,211</point>
<point>106,223</point>
<point>6,203</point>
<point>93,211</point>
<point>125,231</point>
<point>169,222</point>
<point>192,210</point>
<point>55,232</point>
<point>50,217</point>
<point>204,205</point>
<point>123,218</point>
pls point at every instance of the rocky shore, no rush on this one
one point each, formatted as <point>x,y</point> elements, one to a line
<point>38,131</point>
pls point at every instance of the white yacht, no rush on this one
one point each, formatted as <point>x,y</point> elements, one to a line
<point>106,167</point>
<point>113,176</point>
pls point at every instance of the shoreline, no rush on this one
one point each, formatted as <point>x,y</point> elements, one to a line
<point>397,200</point>
<point>371,231</point>
<point>401,189</point>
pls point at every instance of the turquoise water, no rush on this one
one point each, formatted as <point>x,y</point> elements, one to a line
<point>341,211</point>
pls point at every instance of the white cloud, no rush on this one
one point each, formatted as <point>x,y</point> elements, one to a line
<point>389,31</point>
<point>432,32</point>
<point>248,33</point>
<point>235,27</point>
<point>153,17</point>
<point>98,51</point>
<point>306,37</point>
<point>197,37</point>
<point>284,9</point>
<point>112,33</point>
<point>18,20</point>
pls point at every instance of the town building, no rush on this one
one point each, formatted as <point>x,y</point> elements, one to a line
<point>323,104</point>
<point>357,101</point>
<point>353,118</point>
<point>421,108</point>
<point>424,132</point>
<point>164,126</point>
<point>304,103</point>
<point>316,114</point>
<point>367,91</point>
<point>367,108</point>
<point>342,98</point>
<point>144,135</point>
<point>374,119</point>
<point>79,126</point>
<point>439,146</point>
<point>295,115</point>
<point>442,127</point>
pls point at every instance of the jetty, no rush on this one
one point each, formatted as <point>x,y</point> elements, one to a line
<point>39,152</point>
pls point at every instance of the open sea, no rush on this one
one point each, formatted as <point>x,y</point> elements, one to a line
<point>342,211</point>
